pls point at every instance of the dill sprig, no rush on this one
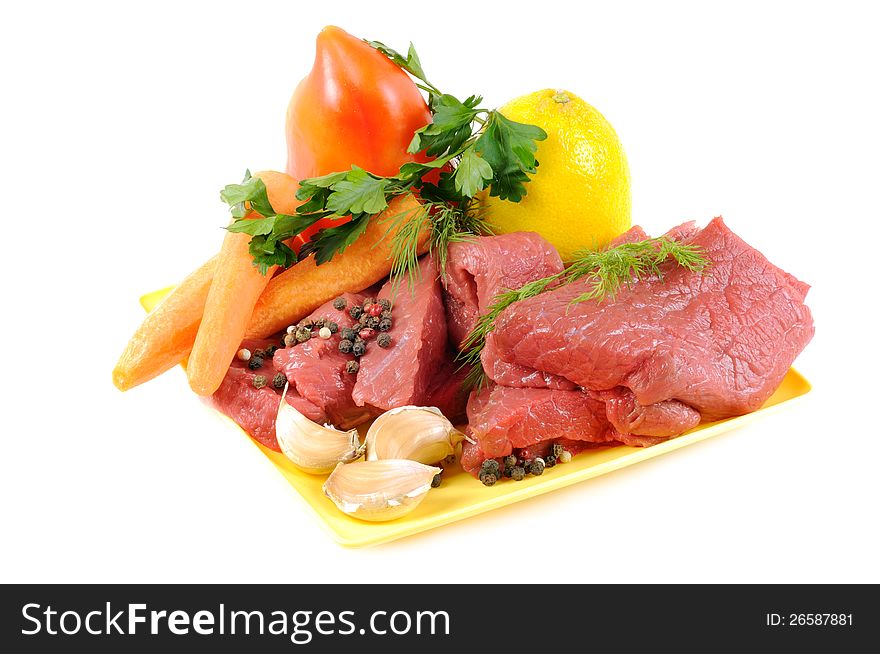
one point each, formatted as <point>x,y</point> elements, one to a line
<point>606,271</point>
<point>448,223</point>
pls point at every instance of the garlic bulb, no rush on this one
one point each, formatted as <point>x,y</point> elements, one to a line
<point>379,490</point>
<point>313,448</point>
<point>418,433</point>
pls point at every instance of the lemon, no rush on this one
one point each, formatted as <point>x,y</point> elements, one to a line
<point>580,196</point>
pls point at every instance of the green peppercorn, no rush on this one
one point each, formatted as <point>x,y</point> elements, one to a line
<point>556,450</point>
<point>345,346</point>
<point>384,325</point>
<point>488,478</point>
<point>385,304</point>
<point>536,467</point>
<point>356,311</point>
<point>259,381</point>
<point>510,460</point>
<point>255,363</point>
<point>333,327</point>
<point>349,334</point>
<point>490,465</point>
<point>352,367</point>
<point>289,340</point>
<point>303,334</point>
<point>549,461</point>
<point>339,303</point>
<point>359,348</point>
<point>518,473</point>
<point>319,322</point>
<point>383,340</point>
<point>279,380</point>
<point>305,322</point>
<point>435,481</point>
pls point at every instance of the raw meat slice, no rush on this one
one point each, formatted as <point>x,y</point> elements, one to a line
<point>720,342</point>
<point>254,409</point>
<point>316,370</point>
<point>446,390</point>
<point>662,419</point>
<point>478,269</point>
<point>401,374</point>
<point>502,418</point>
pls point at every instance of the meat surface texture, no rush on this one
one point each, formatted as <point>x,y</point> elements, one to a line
<point>403,373</point>
<point>316,371</point>
<point>719,343</point>
<point>479,269</point>
<point>502,419</point>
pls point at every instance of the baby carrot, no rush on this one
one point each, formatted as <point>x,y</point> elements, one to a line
<point>236,286</point>
<point>167,334</point>
<point>305,286</point>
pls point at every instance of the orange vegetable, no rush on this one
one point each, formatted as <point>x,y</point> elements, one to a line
<point>236,286</point>
<point>354,107</point>
<point>302,288</point>
<point>167,334</point>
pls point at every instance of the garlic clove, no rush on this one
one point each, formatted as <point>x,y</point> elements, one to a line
<point>419,433</point>
<point>377,491</point>
<point>313,448</point>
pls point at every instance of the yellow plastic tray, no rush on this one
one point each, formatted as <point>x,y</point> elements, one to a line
<point>461,496</point>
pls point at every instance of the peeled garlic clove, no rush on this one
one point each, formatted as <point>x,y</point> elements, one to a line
<point>419,433</point>
<point>313,448</point>
<point>379,490</point>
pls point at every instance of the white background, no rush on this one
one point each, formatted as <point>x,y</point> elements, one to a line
<point>120,123</point>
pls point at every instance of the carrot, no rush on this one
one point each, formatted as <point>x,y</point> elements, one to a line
<point>236,286</point>
<point>305,286</point>
<point>167,334</point>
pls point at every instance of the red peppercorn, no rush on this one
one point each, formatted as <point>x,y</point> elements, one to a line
<point>367,333</point>
<point>375,310</point>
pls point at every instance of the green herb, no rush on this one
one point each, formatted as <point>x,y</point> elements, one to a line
<point>605,271</point>
<point>474,148</point>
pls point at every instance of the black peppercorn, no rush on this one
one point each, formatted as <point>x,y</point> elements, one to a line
<point>556,450</point>
<point>488,478</point>
<point>435,481</point>
<point>352,367</point>
<point>359,348</point>
<point>356,311</point>
<point>549,461</point>
<point>279,380</point>
<point>333,327</point>
<point>349,334</point>
<point>518,473</point>
<point>383,340</point>
<point>339,303</point>
<point>384,325</point>
<point>386,314</point>
<point>345,346</point>
<point>373,322</point>
<point>536,467</point>
<point>303,334</point>
<point>385,304</point>
<point>255,363</point>
<point>490,465</point>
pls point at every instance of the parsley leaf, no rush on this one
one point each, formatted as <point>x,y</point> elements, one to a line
<point>451,127</point>
<point>251,191</point>
<point>359,192</point>
<point>410,63</point>
<point>472,173</point>
<point>331,240</point>
<point>509,148</point>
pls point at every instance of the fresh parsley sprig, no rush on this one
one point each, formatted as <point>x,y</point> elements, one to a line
<point>474,149</point>
<point>605,272</point>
